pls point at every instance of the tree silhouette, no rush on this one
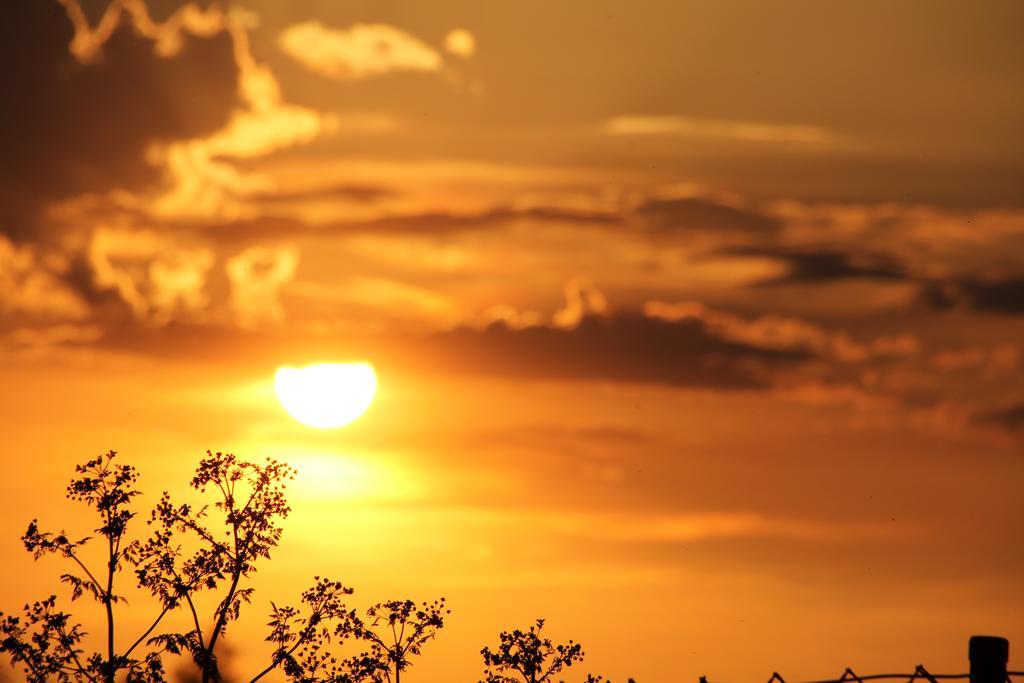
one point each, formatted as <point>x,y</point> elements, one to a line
<point>226,539</point>
<point>526,656</point>
<point>396,630</point>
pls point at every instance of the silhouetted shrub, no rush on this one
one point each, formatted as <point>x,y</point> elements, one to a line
<point>527,657</point>
<point>227,539</point>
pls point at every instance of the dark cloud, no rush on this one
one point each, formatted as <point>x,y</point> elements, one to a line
<point>1000,296</point>
<point>627,347</point>
<point>1005,295</point>
<point>988,296</point>
<point>695,213</point>
<point>817,266</point>
<point>69,128</point>
<point>437,223</point>
<point>441,222</point>
<point>353,193</point>
<point>1010,418</point>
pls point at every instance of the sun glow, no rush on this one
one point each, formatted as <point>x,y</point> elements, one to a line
<point>326,395</point>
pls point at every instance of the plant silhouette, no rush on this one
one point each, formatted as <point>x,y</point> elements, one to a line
<point>397,629</point>
<point>250,501</point>
<point>527,657</point>
<point>225,541</point>
<point>45,640</point>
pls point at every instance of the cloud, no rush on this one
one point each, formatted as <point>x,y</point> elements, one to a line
<point>152,116</point>
<point>75,127</point>
<point>347,192</point>
<point>40,340</point>
<point>805,266</point>
<point>131,121</point>
<point>366,296</point>
<point>716,129</point>
<point>587,341</point>
<point>158,278</point>
<point>257,276</point>
<point>167,36</point>
<point>1009,418</point>
<point>695,213</point>
<point>425,223</point>
<point>582,299</point>
<point>179,280</point>
<point>32,289</point>
<point>362,51</point>
<point>204,181</point>
<point>460,43</point>
<point>695,527</point>
<point>1004,296</point>
<point>1000,360</point>
<point>782,333</point>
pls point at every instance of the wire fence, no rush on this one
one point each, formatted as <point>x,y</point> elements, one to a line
<point>988,656</point>
<point>920,673</point>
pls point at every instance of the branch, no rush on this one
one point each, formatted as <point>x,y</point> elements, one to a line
<point>148,631</point>
<point>74,654</point>
<point>195,619</point>
<point>274,665</point>
<point>108,602</point>
<point>95,583</point>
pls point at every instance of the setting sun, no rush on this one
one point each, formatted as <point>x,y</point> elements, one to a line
<point>326,395</point>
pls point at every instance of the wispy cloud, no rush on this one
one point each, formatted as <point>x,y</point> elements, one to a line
<point>717,129</point>
<point>684,528</point>
<point>166,36</point>
<point>783,333</point>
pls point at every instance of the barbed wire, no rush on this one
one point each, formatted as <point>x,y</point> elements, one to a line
<point>919,673</point>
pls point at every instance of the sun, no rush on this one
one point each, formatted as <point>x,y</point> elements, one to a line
<point>326,395</point>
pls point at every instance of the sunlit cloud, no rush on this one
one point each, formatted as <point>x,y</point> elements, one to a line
<point>257,276</point>
<point>780,332</point>
<point>460,43</point>
<point>29,287</point>
<point>510,317</point>
<point>167,36</point>
<point>204,181</point>
<point>179,282</point>
<point>362,51</point>
<point>159,279</point>
<point>716,129</point>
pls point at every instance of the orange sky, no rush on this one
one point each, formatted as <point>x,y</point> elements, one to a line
<point>697,325</point>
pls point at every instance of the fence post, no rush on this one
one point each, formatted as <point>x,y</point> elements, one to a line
<point>989,656</point>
